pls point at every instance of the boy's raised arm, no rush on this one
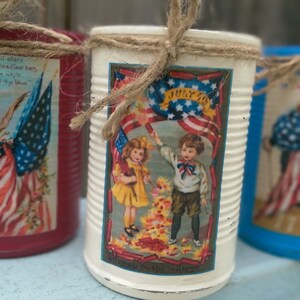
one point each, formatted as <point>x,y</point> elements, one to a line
<point>156,138</point>
<point>165,151</point>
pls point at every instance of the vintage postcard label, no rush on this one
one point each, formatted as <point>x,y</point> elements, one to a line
<point>277,204</point>
<point>29,95</point>
<point>164,170</point>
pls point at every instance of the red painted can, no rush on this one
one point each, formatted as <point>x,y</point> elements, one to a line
<point>26,238</point>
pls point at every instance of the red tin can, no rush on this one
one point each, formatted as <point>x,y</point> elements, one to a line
<point>40,156</point>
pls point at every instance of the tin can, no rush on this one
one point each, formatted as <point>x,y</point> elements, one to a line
<point>40,157</point>
<point>164,193</point>
<point>270,212</point>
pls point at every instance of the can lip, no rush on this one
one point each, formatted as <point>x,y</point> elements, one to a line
<point>213,36</point>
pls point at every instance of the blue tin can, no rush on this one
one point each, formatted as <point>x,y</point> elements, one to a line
<point>270,208</point>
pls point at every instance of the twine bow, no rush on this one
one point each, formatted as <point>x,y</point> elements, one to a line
<point>179,21</point>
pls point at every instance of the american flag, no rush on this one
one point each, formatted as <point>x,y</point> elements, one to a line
<point>17,194</point>
<point>286,192</point>
<point>20,160</point>
<point>33,133</point>
<point>286,131</point>
<point>188,113</point>
<point>117,148</point>
<point>130,122</point>
<point>121,141</point>
<point>211,84</point>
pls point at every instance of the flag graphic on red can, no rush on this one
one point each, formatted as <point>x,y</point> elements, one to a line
<point>26,179</point>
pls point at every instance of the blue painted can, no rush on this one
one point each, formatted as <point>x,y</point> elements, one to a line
<point>270,208</point>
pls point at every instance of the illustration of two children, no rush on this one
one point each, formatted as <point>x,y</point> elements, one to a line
<point>190,182</point>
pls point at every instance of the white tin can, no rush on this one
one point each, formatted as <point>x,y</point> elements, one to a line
<point>164,193</point>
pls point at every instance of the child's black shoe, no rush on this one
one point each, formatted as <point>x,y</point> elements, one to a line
<point>134,228</point>
<point>128,231</point>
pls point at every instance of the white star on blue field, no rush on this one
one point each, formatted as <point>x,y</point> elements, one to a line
<point>286,131</point>
<point>33,131</point>
<point>182,108</point>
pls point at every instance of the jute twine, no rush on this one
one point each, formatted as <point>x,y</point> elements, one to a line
<point>168,49</point>
<point>6,6</point>
<point>184,46</point>
<point>59,45</point>
<point>277,70</point>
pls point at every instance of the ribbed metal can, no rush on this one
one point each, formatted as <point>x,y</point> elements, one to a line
<point>40,156</point>
<point>270,214</point>
<point>164,193</point>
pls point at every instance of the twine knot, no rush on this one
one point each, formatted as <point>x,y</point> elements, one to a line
<point>171,50</point>
<point>182,15</point>
<point>179,21</point>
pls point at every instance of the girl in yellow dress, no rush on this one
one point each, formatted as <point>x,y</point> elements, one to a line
<point>129,189</point>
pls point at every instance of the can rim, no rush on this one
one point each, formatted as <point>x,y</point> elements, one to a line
<point>207,35</point>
